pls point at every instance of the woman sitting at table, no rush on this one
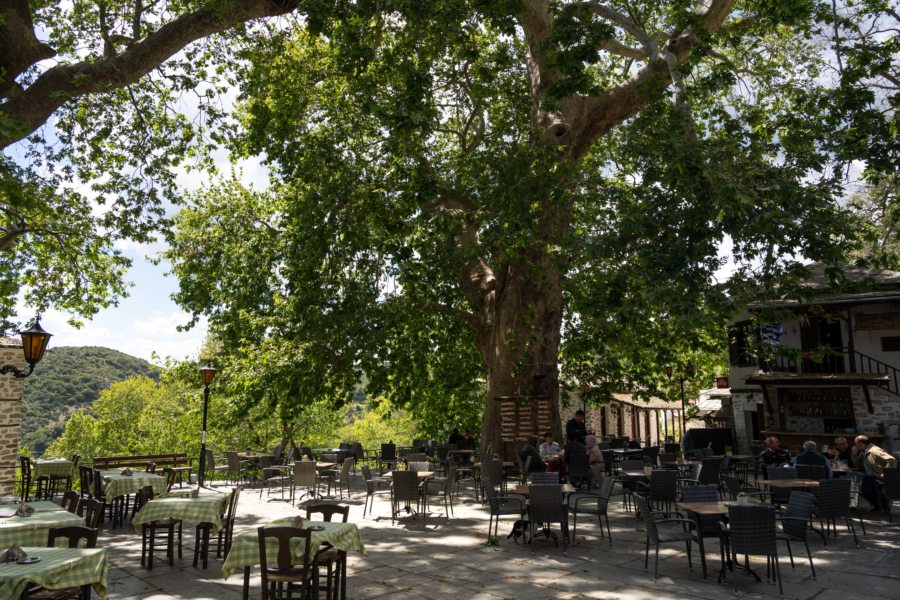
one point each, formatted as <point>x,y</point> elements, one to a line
<point>549,447</point>
<point>595,456</point>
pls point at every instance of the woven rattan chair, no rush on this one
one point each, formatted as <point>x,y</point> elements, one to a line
<point>673,530</point>
<point>795,524</point>
<point>237,468</point>
<point>891,489</point>
<point>442,486</point>
<point>832,503</point>
<point>780,495</point>
<point>544,478</point>
<point>500,505</point>
<point>816,472</point>
<point>709,526</point>
<point>372,488</point>
<point>212,468</point>
<point>492,470</point>
<point>546,506</point>
<point>593,503</point>
<point>305,477</point>
<point>661,491</point>
<point>340,479</point>
<point>387,457</point>
<point>297,579</point>
<point>751,532</point>
<point>405,492</point>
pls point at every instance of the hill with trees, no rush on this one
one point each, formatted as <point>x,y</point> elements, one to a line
<point>68,378</point>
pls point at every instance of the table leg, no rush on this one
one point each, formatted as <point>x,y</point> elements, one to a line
<point>247,582</point>
<point>343,579</point>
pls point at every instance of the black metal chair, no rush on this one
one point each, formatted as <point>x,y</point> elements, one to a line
<point>387,457</point>
<point>751,532</point>
<point>685,531</point>
<point>795,524</point>
<point>372,488</point>
<point>290,578</point>
<point>546,506</point>
<point>891,489</point>
<point>832,503</point>
<point>405,491</point>
<point>661,491</point>
<point>593,503</point>
<point>579,470</point>
<point>500,505</point>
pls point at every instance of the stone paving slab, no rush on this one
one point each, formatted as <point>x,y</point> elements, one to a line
<point>448,558</point>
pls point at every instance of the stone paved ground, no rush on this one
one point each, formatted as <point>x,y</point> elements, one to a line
<point>448,558</point>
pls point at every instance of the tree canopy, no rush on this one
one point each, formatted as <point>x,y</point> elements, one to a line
<point>472,195</point>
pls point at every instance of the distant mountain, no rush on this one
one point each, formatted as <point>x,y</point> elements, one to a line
<point>70,377</point>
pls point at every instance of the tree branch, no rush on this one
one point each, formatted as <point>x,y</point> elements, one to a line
<point>32,107</point>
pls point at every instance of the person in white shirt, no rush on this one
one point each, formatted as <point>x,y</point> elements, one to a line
<point>549,447</point>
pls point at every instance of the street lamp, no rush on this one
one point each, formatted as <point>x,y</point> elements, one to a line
<point>34,344</point>
<point>206,375</point>
<point>688,374</point>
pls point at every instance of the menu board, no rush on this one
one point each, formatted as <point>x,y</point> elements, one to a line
<point>523,416</point>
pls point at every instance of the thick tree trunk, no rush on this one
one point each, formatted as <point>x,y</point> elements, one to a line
<point>519,343</point>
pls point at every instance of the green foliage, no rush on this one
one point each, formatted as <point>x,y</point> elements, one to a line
<point>69,379</point>
<point>380,424</point>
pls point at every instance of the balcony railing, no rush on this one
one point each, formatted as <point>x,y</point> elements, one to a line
<point>840,360</point>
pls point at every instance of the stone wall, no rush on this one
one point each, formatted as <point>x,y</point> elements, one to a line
<point>10,414</point>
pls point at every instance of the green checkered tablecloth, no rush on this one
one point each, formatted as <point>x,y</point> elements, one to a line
<point>208,507</point>
<point>116,484</point>
<point>245,547</point>
<point>33,530</point>
<point>58,568</point>
<point>53,467</point>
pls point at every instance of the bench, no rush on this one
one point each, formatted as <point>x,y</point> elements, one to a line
<point>178,462</point>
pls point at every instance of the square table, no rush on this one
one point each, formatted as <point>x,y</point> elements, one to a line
<point>567,488</point>
<point>244,551</point>
<point>62,468</point>
<point>58,568</point>
<point>115,484</point>
<point>208,507</point>
<point>789,483</point>
<point>34,530</point>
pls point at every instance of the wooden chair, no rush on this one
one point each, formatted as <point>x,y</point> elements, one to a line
<point>74,534</point>
<point>290,578</point>
<point>329,558</point>
<point>222,542</point>
<point>86,481</point>
<point>92,511</point>
<point>150,533</point>
<point>70,500</point>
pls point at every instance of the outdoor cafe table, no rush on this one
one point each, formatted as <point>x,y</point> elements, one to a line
<point>244,551</point>
<point>790,483</point>
<point>116,484</point>
<point>33,530</point>
<point>567,488</point>
<point>53,467</point>
<point>58,568</point>
<point>207,507</point>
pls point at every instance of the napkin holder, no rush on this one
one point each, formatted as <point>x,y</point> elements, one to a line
<point>24,510</point>
<point>298,521</point>
<point>13,553</point>
<point>195,493</point>
<point>127,472</point>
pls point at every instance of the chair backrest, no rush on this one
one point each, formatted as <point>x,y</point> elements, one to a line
<point>416,457</point>
<point>277,451</point>
<point>406,486</point>
<point>92,510</point>
<point>544,478</point>
<point>86,480</point>
<point>419,445</point>
<point>891,483</point>
<point>266,462</point>
<point>346,467</point>
<point>732,486</point>
<point>545,504</point>
<point>647,516</point>
<point>170,475</point>
<point>667,457</point>
<point>579,466</point>
<point>752,529</point>
<point>233,460</point>
<point>388,451</point>
<point>709,525</point>
<point>306,451</point>
<point>304,473</point>
<point>330,457</point>
<point>799,512</point>
<point>233,503</point>
<point>781,473</point>
<point>358,452</point>
<point>833,498</point>
<point>816,472</point>
<point>493,469</point>
<point>74,534</point>
<point>606,487</point>
<point>450,481</point>
<point>286,564</point>
<point>671,448</point>
<point>709,471</point>
<point>632,465</point>
<point>327,510</point>
<point>651,452</point>
<point>210,461</point>
<point>98,484</point>
<point>70,500</point>
<point>663,485</point>
<point>76,458</point>
<point>419,466</point>
<point>617,443</point>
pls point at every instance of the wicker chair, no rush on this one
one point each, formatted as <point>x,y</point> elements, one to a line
<point>815,472</point>
<point>686,533</point>
<point>891,488</point>
<point>709,526</point>
<point>500,505</point>
<point>832,503</point>
<point>438,486</point>
<point>405,490</point>
<point>593,503</point>
<point>237,468</point>
<point>546,506</point>
<point>387,457</point>
<point>306,477</point>
<point>751,532</point>
<point>795,524</point>
<point>290,577</point>
<point>545,478</point>
<point>372,488</point>
<point>780,495</point>
<point>661,491</point>
<point>211,466</point>
<point>341,479</point>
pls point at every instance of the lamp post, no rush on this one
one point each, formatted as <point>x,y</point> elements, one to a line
<point>689,372</point>
<point>206,375</point>
<point>34,344</point>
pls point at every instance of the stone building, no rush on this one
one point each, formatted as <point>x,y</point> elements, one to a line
<point>628,416</point>
<point>10,413</point>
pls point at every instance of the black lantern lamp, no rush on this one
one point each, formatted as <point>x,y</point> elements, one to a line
<point>688,374</point>
<point>34,343</point>
<point>207,373</point>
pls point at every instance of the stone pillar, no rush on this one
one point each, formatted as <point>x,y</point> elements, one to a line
<point>10,414</point>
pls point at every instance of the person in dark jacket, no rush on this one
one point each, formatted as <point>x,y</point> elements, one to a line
<point>454,437</point>
<point>576,427</point>
<point>841,451</point>
<point>530,449</point>
<point>774,454</point>
<point>811,456</point>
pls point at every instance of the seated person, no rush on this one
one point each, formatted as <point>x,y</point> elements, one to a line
<point>549,447</point>
<point>774,454</point>
<point>530,449</point>
<point>595,456</point>
<point>811,456</point>
<point>840,451</point>
<point>465,442</point>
